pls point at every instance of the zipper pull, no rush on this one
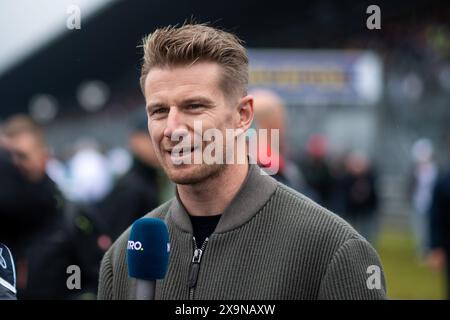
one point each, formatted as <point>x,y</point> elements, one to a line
<point>195,267</point>
<point>195,264</point>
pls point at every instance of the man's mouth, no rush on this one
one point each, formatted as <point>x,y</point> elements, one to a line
<point>179,152</point>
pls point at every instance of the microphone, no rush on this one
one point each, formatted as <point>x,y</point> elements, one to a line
<point>148,255</point>
<point>7,274</point>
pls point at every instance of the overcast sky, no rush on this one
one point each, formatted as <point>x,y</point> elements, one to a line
<point>26,25</point>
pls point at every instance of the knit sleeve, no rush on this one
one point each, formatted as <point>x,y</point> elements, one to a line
<point>105,287</point>
<point>354,273</point>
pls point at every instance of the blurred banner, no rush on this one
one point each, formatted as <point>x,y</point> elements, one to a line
<point>318,76</point>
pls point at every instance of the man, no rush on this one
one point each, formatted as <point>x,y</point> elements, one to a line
<point>23,205</point>
<point>422,180</point>
<point>270,114</point>
<point>439,256</point>
<point>42,251</point>
<point>359,194</point>
<point>317,170</point>
<point>258,239</point>
<point>28,198</point>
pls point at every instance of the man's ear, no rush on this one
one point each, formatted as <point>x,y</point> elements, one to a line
<point>246,113</point>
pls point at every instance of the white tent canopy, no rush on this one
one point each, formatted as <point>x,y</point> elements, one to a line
<point>27,25</point>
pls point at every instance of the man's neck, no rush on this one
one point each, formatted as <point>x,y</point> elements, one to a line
<point>215,194</point>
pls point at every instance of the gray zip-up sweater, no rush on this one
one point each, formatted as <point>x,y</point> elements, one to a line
<point>270,243</point>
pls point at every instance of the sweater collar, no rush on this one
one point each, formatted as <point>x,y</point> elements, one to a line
<point>254,192</point>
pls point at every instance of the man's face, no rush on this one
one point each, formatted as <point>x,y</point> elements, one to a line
<point>175,98</point>
<point>29,155</point>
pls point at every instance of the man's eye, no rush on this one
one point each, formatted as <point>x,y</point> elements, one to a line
<point>194,106</point>
<point>159,110</point>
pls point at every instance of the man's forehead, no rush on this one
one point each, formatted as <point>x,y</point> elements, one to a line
<point>204,75</point>
<point>26,140</point>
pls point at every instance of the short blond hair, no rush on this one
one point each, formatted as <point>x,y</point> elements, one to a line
<point>191,43</point>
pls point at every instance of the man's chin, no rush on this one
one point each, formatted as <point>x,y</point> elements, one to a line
<point>190,174</point>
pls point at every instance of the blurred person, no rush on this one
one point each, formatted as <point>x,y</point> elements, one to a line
<point>23,137</point>
<point>7,274</point>
<point>96,225</point>
<point>317,171</point>
<point>256,237</point>
<point>360,196</point>
<point>421,188</point>
<point>28,197</point>
<point>270,114</point>
<point>43,252</point>
<point>439,255</point>
<point>24,205</point>
<point>137,191</point>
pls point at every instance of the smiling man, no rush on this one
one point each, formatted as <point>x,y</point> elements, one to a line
<point>235,232</point>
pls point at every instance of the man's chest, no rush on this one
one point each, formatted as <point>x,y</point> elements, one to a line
<point>238,266</point>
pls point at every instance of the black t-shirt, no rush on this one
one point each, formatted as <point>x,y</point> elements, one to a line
<point>203,226</point>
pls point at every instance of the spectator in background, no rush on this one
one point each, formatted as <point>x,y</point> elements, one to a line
<point>270,114</point>
<point>95,225</point>
<point>317,171</point>
<point>24,205</point>
<point>421,188</point>
<point>439,255</point>
<point>359,195</point>
<point>135,193</point>
<point>44,248</point>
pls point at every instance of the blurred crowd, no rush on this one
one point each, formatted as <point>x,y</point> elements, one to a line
<point>56,214</point>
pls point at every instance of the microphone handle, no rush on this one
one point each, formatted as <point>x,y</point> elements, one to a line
<point>145,289</point>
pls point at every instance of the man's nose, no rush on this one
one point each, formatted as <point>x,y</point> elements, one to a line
<point>174,122</point>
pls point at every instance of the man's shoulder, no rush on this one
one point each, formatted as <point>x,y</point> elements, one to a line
<point>329,244</point>
<point>302,214</point>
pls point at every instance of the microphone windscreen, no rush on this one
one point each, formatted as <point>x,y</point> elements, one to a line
<point>148,249</point>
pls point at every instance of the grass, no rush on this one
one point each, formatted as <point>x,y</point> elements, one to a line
<point>406,277</point>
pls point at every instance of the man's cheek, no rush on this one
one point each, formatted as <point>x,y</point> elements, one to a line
<point>153,133</point>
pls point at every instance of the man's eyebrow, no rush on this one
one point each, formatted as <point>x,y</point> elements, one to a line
<point>199,100</point>
<point>196,100</point>
<point>154,105</point>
